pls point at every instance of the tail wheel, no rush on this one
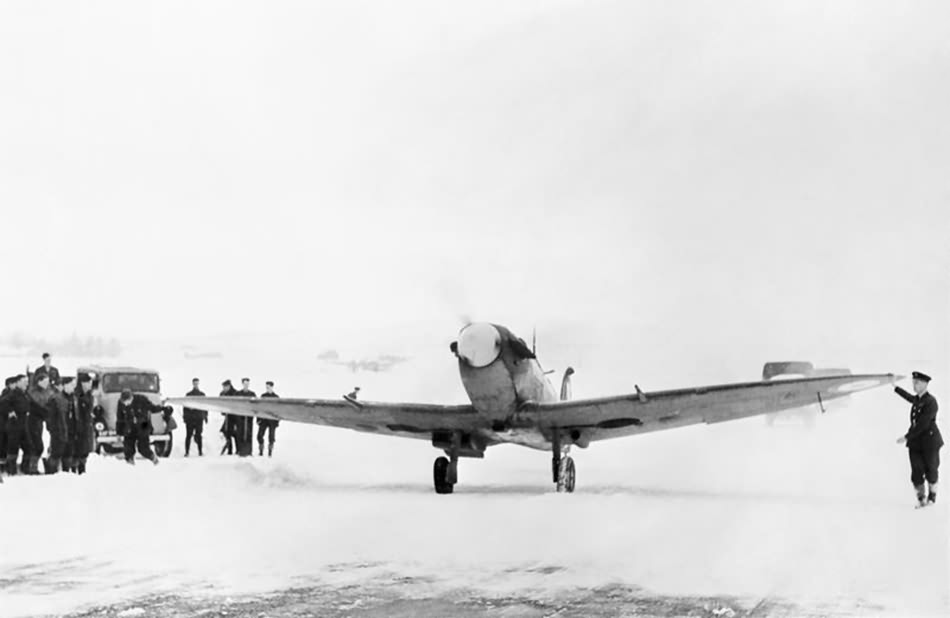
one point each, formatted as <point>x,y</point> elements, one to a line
<point>567,476</point>
<point>440,475</point>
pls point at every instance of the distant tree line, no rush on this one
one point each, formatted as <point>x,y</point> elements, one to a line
<point>74,345</point>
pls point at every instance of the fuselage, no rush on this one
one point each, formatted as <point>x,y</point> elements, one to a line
<point>500,373</point>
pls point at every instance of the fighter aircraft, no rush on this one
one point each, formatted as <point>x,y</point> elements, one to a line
<point>513,402</point>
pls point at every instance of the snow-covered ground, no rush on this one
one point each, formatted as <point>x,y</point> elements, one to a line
<point>817,519</point>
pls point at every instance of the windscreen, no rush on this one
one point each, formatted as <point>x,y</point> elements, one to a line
<point>137,382</point>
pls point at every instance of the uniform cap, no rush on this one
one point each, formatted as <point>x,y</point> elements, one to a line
<point>45,355</point>
<point>66,380</point>
<point>10,381</point>
<point>268,383</point>
<point>226,383</point>
<point>923,377</point>
<point>195,380</point>
<point>84,377</point>
<point>245,379</point>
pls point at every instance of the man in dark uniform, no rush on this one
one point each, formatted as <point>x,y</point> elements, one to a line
<point>227,427</point>
<point>244,425</point>
<point>69,396</point>
<point>39,400</point>
<point>195,420</point>
<point>79,424</point>
<point>58,408</point>
<point>46,369</point>
<point>134,415</point>
<point>923,439</point>
<point>267,425</point>
<point>18,438</point>
<point>5,409</point>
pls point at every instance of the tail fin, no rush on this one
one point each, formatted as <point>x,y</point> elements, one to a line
<point>566,384</point>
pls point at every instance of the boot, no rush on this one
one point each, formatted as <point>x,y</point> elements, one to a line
<point>67,464</point>
<point>81,466</point>
<point>34,465</point>
<point>932,496</point>
<point>260,446</point>
<point>11,465</point>
<point>270,449</point>
<point>52,465</point>
<point>921,495</point>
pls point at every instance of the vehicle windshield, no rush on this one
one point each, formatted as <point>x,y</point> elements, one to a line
<point>137,382</point>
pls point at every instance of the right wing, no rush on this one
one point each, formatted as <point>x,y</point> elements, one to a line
<point>409,420</point>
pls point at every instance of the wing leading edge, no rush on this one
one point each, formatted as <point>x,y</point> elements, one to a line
<point>584,420</point>
<point>590,420</point>
<point>410,420</point>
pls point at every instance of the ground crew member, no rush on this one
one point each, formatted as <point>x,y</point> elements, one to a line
<point>195,420</point>
<point>244,425</point>
<point>267,425</point>
<point>134,414</point>
<point>18,438</point>
<point>46,369</point>
<point>69,394</point>
<point>80,424</point>
<point>923,439</point>
<point>227,427</point>
<point>58,408</point>
<point>39,399</point>
<point>5,408</point>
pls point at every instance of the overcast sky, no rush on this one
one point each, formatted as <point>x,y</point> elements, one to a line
<point>712,172</point>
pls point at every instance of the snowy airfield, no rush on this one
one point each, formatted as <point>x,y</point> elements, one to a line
<point>727,520</point>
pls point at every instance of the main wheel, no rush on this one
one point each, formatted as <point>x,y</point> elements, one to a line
<point>440,475</point>
<point>567,476</point>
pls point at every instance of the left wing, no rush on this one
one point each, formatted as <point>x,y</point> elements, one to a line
<point>589,420</point>
<point>410,420</point>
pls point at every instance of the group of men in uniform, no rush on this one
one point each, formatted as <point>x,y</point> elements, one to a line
<point>63,405</point>
<point>238,430</point>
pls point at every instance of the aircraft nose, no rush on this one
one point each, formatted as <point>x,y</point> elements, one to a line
<point>479,344</point>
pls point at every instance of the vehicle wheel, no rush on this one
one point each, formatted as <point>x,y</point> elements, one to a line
<point>163,449</point>
<point>440,473</point>
<point>567,476</point>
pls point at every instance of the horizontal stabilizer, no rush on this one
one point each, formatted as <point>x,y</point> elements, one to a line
<point>787,369</point>
<point>824,373</point>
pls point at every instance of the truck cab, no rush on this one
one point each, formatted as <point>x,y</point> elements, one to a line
<point>111,382</point>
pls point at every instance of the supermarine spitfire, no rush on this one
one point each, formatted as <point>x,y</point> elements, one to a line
<point>513,402</point>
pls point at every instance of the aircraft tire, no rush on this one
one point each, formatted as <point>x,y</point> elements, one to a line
<point>440,473</point>
<point>567,476</point>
